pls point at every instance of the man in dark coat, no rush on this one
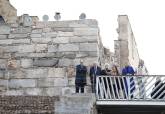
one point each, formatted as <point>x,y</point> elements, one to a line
<point>95,70</point>
<point>80,80</point>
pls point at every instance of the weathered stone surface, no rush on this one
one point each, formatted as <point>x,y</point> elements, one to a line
<point>56,72</point>
<point>68,47</point>
<point>6,42</point>
<point>13,93</point>
<point>18,36</point>
<point>32,91</point>
<point>52,48</point>
<point>90,60</point>
<point>36,73</point>
<point>71,71</point>
<point>21,83</point>
<point>45,62</point>
<point>62,29</point>
<point>26,63</point>
<point>21,30</point>
<point>45,82</point>
<point>86,31</point>
<point>60,82</point>
<point>36,35</point>
<point>65,62</point>
<point>83,39</point>
<point>47,29</point>
<point>51,34</point>
<point>37,31</point>
<point>70,55</point>
<point>89,47</point>
<point>71,81</point>
<point>64,34</point>
<point>41,40</point>
<point>3,36</point>
<point>41,48</point>
<point>21,41</point>
<point>76,104</point>
<point>52,91</point>
<point>27,104</point>
<point>61,40</point>
<point>4,29</point>
<point>3,82</point>
<point>15,74</point>
<point>2,73</point>
<point>26,48</point>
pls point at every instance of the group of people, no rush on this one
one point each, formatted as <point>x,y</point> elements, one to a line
<point>95,70</point>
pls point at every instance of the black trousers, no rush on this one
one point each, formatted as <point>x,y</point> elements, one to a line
<point>80,87</point>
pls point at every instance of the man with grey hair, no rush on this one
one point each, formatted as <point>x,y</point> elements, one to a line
<point>95,70</point>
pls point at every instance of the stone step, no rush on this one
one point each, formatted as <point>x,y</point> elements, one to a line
<point>76,104</point>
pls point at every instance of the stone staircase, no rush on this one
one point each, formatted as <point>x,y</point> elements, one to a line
<point>76,104</point>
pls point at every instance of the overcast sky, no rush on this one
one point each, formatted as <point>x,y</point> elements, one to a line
<point>147,19</point>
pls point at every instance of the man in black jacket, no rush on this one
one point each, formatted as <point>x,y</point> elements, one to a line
<point>80,81</point>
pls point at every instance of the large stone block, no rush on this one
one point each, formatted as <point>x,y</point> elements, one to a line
<point>3,82</point>
<point>71,81</point>
<point>18,35</point>
<point>62,29</point>
<point>41,40</point>
<point>51,34</point>
<point>6,42</point>
<point>61,40</point>
<point>45,62</point>
<point>68,47</point>
<point>2,73</point>
<point>52,91</point>
<point>22,83</point>
<point>47,29</point>
<point>14,92</point>
<point>89,47</point>
<point>65,62</point>
<point>26,48</point>
<point>21,30</point>
<point>52,48</point>
<point>15,74</point>
<point>21,41</point>
<point>36,35</point>
<point>45,82</point>
<point>70,55</point>
<point>26,63</point>
<point>37,31</point>
<point>36,73</point>
<point>86,31</point>
<point>90,60</point>
<point>41,48</point>
<point>3,36</point>
<point>33,91</point>
<point>4,29</point>
<point>62,82</point>
<point>64,34</point>
<point>83,39</point>
<point>56,72</point>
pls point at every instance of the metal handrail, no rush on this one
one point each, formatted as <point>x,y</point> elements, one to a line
<point>135,87</point>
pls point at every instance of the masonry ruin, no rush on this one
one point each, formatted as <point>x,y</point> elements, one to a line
<point>37,58</point>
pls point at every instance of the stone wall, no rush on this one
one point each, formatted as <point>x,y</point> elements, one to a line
<point>125,47</point>
<point>36,58</point>
<point>27,104</point>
